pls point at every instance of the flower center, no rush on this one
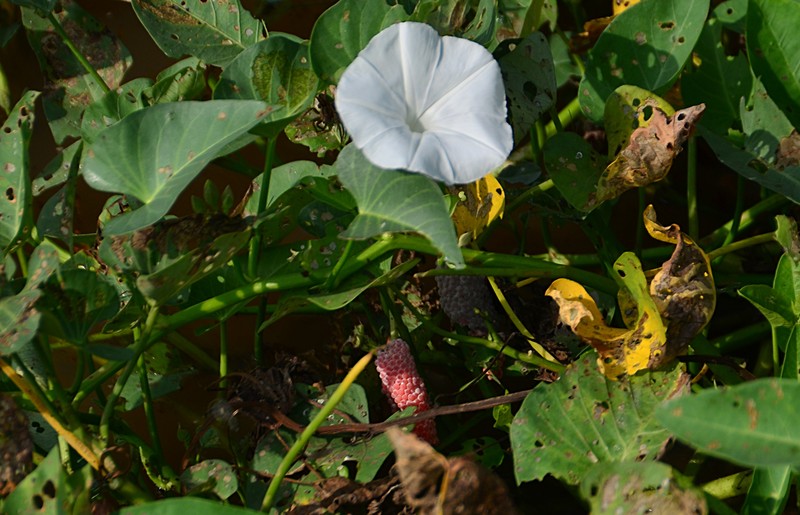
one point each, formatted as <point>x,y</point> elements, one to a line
<point>415,124</point>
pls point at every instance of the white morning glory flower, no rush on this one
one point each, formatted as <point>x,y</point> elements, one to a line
<point>416,101</point>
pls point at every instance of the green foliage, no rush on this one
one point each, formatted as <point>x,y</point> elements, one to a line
<point>564,428</point>
<point>174,265</point>
<point>646,46</point>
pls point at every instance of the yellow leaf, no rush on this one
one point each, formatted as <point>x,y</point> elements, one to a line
<point>621,5</point>
<point>479,203</point>
<point>621,351</point>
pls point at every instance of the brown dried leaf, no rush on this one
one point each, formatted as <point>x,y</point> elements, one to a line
<point>435,484</point>
<point>649,154</point>
<point>683,289</point>
<point>788,153</point>
<point>343,495</point>
<point>16,446</point>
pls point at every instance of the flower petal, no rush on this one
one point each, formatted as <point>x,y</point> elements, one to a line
<point>413,100</point>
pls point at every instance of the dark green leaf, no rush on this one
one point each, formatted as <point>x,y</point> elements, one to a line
<point>753,424</point>
<point>214,32</point>
<point>721,81</point>
<point>276,71</point>
<point>574,167</point>
<point>785,181</point>
<point>76,301</point>
<point>154,153</point>
<point>15,190</point>
<point>42,5</point>
<point>732,13</point>
<point>530,81</point>
<point>646,46</point>
<point>343,30</point>
<point>69,88</point>
<point>564,428</point>
<point>394,201</point>
<point>774,51</point>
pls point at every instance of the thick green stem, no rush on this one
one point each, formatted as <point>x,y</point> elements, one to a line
<point>308,432</point>
<point>748,217</point>
<point>255,246</point>
<point>759,239</point>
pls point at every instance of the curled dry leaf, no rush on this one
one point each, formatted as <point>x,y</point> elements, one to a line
<point>683,289</point>
<point>788,153</point>
<point>648,156</point>
<point>621,351</point>
<point>661,319</point>
<point>436,484</point>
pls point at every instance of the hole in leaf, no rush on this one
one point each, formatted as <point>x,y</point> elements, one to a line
<point>666,25</point>
<point>49,489</point>
<point>10,194</point>
<point>38,501</point>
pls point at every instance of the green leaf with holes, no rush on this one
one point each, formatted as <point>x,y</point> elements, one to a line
<point>753,424</point>
<point>774,51</point>
<point>276,71</point>
<point>51,489</point>
<point>564,428</point>
<point>343,30</point>
<point>395,201</point>
<point>69,88</point>
<point>184,80</point>
<point>639,487</point>
<point>214,32</point>
<point>16,196</point>
<point>646,46</point>
<point>153,154</point>
<point>530,81</point>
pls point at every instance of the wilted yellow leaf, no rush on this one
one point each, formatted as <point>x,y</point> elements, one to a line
<point>622,351</point>
<point>647,158</point>
<point>684,288</point>
<point>479,203</point>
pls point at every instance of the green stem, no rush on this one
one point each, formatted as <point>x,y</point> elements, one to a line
<point>527,194</point>
<point>255,247</point>
<point>748,217</point>
<point>98,80</point>
<point>147,403</point>
<point>308,432</point>
<point>691,189</point>
<point>566,116</point>
<point>741,244</point>
<point>141,345</point>
<point>230,298</point>
<point>742,337</point>
<point>333,279</point>
<point>184,345</point>
<point>737,211</point>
